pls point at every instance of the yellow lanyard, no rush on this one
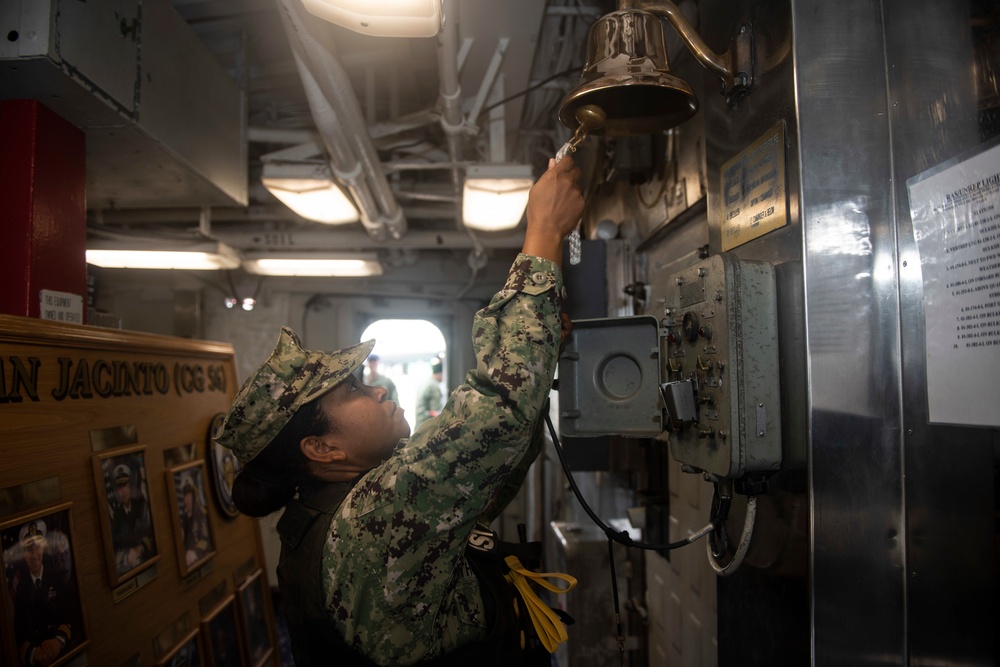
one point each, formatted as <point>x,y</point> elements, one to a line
<point>548,626</point>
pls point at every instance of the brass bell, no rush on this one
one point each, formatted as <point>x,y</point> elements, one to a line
<point>627,76</point>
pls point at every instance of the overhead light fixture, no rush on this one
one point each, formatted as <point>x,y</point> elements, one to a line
<point>201,256</point>
<point>386,18</point>
<point>340,265</point>
<point>495,195</point>
<point>309,190</point>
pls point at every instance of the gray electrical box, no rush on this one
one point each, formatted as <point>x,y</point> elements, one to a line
<point>707,374</point>
<point>609,377</point>
<point>721,366</point>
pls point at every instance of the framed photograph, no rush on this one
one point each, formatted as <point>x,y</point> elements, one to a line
<point>41,608</point>
<point>220,630</point>
<point>123,507</point>
<point>192,529</point>
<point>224,468</point>
<point>187,653</point>
<point>254,620</point>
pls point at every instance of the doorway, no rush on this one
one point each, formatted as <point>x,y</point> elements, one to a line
<point>406,350</point>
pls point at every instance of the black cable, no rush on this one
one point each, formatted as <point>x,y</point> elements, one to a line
<point>620,537</point>
<point>529,89</point>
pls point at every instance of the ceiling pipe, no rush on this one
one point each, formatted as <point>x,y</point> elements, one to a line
<point>256,213</point>
<point>341,124</point>
<point>263,238</point>
<point>450,91</point>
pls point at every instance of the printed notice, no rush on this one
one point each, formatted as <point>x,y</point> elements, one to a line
<point>955,208</point>
<point>61,306</point>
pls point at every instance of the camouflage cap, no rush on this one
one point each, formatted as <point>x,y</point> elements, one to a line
<point>290,378</point>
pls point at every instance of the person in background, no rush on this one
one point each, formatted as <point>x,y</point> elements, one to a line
<point>374,379</point>
<point>430,401</point>
<point>382,553</point>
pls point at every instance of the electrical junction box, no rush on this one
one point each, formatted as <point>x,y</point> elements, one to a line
<point>609,378</point>
<point>707,374</point>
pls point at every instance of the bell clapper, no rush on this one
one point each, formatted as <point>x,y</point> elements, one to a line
<point>590,117</point>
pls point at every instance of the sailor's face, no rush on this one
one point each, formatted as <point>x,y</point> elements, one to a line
<point>366,425</point>
<point>124,492</point>
<point>34,551</point>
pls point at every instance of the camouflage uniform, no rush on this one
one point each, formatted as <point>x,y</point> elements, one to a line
<point>395,579</point>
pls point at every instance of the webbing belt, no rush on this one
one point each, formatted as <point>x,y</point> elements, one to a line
<point>548,626</point>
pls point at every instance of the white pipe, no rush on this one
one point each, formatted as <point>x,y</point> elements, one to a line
<point>348,132</point>
<point>741,548</point>
<point>325,237</point>
<point>450,92</point>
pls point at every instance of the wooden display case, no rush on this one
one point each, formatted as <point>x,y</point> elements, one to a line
<point>85,411</point>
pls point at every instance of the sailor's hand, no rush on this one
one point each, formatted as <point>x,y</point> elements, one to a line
<point>555,205</point>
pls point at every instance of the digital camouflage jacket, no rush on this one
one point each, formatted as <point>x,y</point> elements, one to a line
<point>395,579</point>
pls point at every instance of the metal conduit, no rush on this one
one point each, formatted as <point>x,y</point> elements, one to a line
<point>450,90</point>
<point>342,123</point>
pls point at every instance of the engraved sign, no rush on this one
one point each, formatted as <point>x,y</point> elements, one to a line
<point>754,200</point>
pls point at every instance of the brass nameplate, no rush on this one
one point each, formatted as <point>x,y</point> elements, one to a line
<point>754,197</point>
<point>244,571</point>
<point>27,496</point>
<point>175,456</point>
<point>211,600</point>
<point>176,631</point>
<point>113,437</point>
<point>189,581</point>
<point>132,585</point>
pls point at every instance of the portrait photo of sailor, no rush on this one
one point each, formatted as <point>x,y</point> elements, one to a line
<point>41,584</point>
<point>126,517</point>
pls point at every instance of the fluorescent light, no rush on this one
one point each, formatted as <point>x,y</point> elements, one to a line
<point>309,190</point>
<point>200,257</point>
<point>384,18</point>
<point>322,265</point>
<point>495,196</point>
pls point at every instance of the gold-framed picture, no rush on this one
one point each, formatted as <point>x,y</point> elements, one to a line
<point>255,618</point>
<point>221,633</point>
<point>187,653</point>
<point>41,609</point>
<point>193,536</point>
<point>125,512</point>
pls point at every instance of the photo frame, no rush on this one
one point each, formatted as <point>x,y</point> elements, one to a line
<point>41,608</point>
<point>225,467</point>
<point>221,635</point>
<point>254,620</point>
<point>187,653</point>
<point>194,539</point>
<point>125,512</point>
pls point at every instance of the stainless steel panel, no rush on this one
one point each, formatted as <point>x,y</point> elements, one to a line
<point>942,60</point>
<point>100,42</point>
<point>189,103</point>
<point>852,315</point>
<point>165,124</point>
